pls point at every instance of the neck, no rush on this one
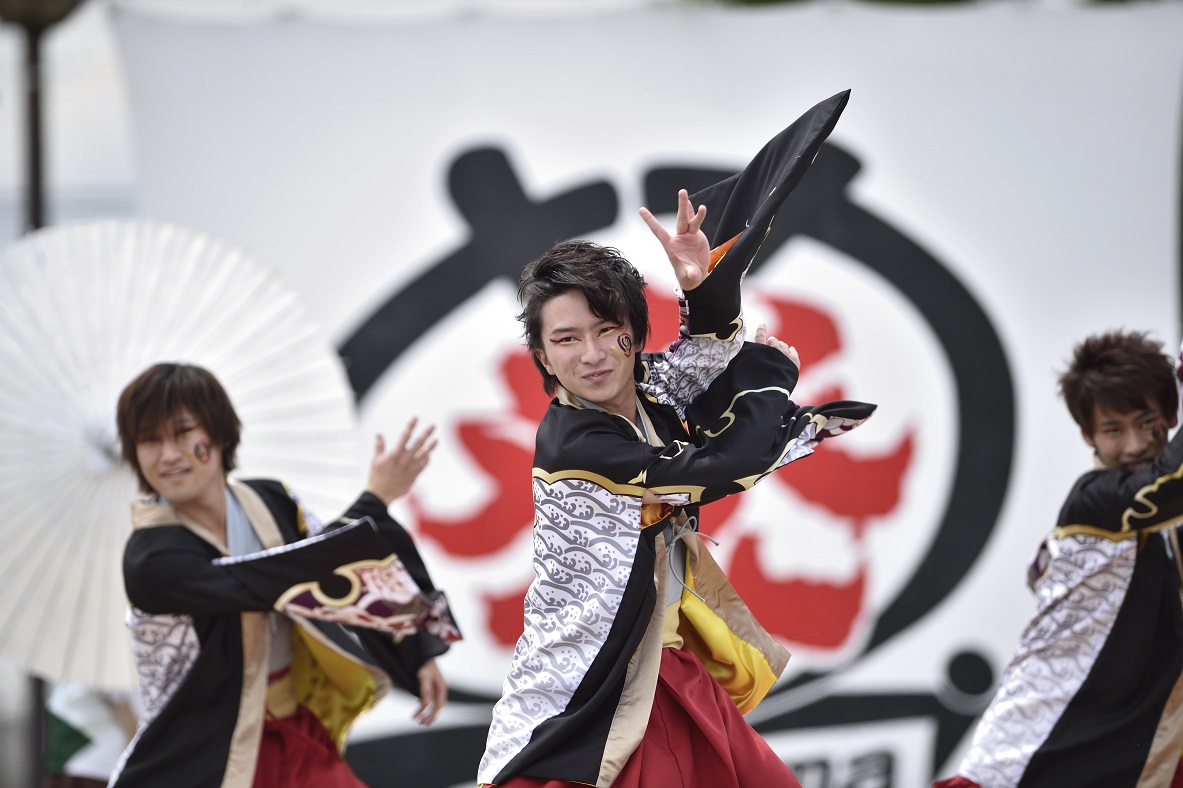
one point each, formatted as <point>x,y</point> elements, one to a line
<point>207,510</point>
<point>627,410</point>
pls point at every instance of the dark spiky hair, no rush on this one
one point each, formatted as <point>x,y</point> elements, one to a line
<point>614,290</point>
<point>159,393</point>
<point>1119,371</point>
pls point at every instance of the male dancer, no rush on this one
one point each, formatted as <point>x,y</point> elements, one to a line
<point>638,659</point>
<point>1093,696</point>
<point>225,578</point>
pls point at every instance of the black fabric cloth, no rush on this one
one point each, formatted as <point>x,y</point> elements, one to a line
<point>170,571</point>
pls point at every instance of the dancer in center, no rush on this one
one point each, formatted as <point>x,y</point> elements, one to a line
<point>638,659</point>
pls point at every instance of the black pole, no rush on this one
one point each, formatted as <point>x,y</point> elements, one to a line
<point>34,220</point>
<point>34,186</point>
<point>35,17</point>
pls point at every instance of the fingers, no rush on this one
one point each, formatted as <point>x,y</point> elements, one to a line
<point>689,220</point>
<point>433,693</point>
<point>427,710</point>
<point>684,212</point>
<point>407,431</point>
<point>655,226</point>
<point>421,444</point>
<point>395,467</point>
<point>788,350</point>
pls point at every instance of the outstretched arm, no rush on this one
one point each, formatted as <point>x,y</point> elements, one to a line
<point>1120,502</point>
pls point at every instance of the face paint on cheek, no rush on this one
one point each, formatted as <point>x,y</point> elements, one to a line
<point>625,344</point>
<point>201,450</point>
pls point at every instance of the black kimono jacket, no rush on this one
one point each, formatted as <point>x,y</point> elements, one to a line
<point>578,695</point>
<point>1093,695</point>
<point>201,633</point>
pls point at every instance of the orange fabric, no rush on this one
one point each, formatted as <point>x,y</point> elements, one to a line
<point>720,250</point>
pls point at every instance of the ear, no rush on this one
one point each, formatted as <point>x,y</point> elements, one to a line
<point>1088,438</point>
<point>541,356</point>
<point>1172,420</point>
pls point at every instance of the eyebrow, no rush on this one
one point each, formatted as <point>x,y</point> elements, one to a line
<point>1140,414</point>
<point>573,329</point>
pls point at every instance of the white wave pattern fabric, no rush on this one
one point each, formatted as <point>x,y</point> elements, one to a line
<point>164,647</point>
<point>679,376</point>
<point>1078,601</point>
<point>584,543</point>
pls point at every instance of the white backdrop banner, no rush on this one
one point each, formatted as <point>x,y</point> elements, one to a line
<point>1004,182</point>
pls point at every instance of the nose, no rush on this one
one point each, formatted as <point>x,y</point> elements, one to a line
<point>1137,442</point>
<point>592,353</point>
<point>169,450</point>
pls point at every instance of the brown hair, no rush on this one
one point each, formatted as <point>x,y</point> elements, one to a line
<point>1120,371</point>
<point>163,390</point>
<point>614,290</point>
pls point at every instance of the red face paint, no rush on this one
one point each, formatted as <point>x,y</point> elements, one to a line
<point>625,342</point>
<point>201,450</point>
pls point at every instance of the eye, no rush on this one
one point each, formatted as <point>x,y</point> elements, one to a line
<point>606,330</point>
<point>563,341</point>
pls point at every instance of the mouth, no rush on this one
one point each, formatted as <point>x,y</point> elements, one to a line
<point>173,475</point>
<point>596,377</point>
<point>1138,465</point>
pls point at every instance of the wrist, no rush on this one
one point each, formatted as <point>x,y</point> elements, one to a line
<point>385,500</point>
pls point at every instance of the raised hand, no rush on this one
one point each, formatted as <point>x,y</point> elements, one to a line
<point>393,471</point>
<point>688,248</point>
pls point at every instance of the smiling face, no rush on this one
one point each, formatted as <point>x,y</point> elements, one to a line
<point>1131,439</point>
<point>591,356</point>
<point>179,460</point>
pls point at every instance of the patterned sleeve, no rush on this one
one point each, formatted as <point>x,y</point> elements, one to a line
<point>348,575</point>
<point>677,377</point>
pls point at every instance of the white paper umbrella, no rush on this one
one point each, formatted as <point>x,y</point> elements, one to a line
<point>85,309</point>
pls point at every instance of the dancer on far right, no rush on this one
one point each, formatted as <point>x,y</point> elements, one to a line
<point>1093,695</point>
